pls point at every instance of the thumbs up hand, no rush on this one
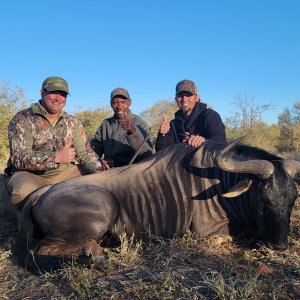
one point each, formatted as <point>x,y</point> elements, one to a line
<point>66,154</point>
<point>127,125</point>
<point>165,125</point>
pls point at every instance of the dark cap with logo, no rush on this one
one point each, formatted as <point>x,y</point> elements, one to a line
<point>119,92</point>
<point>55,83</point>
<point>186,86</point>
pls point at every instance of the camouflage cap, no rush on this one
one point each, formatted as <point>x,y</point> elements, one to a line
<point>186,86</point>
<point>55,83</point>
<point>119,92</point>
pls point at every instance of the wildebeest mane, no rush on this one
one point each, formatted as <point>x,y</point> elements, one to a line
<point>245,152</point>
<point>175,152</point>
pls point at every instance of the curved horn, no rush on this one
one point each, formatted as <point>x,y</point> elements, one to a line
<point>260,168</point>
<point>292,167</point>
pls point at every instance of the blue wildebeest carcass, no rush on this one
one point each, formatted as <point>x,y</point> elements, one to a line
<point>210,191</point>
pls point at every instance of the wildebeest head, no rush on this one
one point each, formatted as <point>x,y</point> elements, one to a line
<point>273,190</point>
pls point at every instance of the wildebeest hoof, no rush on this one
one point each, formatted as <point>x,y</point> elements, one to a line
<point>85,248</point>
<point>92,249</point>
<point>219,240</point>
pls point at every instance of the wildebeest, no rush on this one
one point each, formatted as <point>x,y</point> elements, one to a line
<point>211,190</point>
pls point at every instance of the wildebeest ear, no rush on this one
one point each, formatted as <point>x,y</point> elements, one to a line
<point>238,189</point>
<point>292,167</point>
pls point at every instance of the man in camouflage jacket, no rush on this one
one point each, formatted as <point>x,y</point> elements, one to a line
<point>47,145</point>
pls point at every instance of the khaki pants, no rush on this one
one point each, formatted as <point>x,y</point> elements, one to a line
<point>22,183</point>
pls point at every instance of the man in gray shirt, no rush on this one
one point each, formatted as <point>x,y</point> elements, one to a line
<point>119,137</point>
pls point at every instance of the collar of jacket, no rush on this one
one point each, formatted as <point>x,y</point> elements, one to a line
<point>38,109</point>
<point>199,107</point>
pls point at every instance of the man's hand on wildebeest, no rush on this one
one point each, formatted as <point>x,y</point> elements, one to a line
<point>194,140</point>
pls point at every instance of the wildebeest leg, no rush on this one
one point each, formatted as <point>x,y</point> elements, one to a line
<point>85,248</point>
<point>71,219</point>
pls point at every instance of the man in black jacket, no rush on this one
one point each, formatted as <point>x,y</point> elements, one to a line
<point>193,122</point>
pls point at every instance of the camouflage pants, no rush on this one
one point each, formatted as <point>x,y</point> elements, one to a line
<point>22,183</point>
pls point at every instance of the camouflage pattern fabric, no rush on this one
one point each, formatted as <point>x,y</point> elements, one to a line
<point>55,83</point>
<point>33,142</point>
<point>186,86</point>
<point>119,92</point>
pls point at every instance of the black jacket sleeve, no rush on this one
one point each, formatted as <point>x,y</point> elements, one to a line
<point>214,127</point>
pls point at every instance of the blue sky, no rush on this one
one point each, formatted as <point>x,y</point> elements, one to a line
<point>228,48</point>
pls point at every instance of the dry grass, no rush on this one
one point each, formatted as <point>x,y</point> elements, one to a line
<point>185,268</point>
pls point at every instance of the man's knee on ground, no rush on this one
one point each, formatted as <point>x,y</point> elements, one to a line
<point>21,191</point>
<point>21,184</point>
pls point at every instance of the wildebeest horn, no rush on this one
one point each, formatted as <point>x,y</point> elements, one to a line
<point>260,168</point>
<point>292,167</point>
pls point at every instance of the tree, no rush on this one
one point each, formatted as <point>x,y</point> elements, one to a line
<point>247,121</point>
<point>11,101</point>
<point>296,113</point>
<point>285,118</point>
<point>289,121</point>
<point>91,119</point>
<point>290,116</point>
<point>248,113</point>
<point>153,115</point>
<point>262,136</point>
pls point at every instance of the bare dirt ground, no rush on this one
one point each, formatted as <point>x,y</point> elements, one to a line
<point>186,268</point>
